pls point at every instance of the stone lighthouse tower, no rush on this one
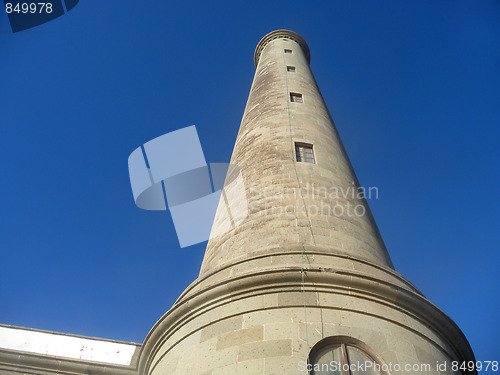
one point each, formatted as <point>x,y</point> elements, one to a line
<point>304,284</point>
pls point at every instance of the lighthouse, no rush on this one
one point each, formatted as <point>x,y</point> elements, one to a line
<point>304,284</point>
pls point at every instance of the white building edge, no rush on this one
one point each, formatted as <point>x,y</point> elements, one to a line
<point>34,351</point>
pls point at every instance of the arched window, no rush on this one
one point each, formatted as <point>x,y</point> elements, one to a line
<point>343,356</point>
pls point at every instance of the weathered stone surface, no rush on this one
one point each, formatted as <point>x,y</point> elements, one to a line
<point>241,336</point>
<point>265,349</point>
<point>221,327</point>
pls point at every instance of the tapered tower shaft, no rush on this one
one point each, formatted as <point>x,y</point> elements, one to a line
<point>315,203</point>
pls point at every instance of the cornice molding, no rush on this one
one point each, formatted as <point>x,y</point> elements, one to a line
<point>284,34</point>
<point>289,279</point>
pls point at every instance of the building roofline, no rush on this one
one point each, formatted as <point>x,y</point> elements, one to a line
<point>32,342</point>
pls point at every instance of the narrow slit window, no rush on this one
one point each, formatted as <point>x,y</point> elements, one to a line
<point>290,68</point>
<point>304,152</point>
<point>288,50</point>
<point>296,97</point>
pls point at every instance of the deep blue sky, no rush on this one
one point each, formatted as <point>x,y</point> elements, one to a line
<point>413,87</point>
